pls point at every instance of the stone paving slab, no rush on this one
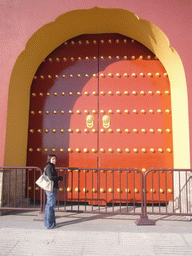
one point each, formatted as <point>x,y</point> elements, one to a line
<point>89,234</point>
<point>52,242</point>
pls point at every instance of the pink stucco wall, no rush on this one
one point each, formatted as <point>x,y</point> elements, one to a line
<point>20,19</point>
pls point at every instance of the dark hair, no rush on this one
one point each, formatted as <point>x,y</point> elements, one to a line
<point>49,157</point>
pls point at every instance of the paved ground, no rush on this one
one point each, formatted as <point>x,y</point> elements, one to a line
<point>94,234</point>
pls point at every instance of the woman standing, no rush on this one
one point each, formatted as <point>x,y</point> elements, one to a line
<point>50,171</point>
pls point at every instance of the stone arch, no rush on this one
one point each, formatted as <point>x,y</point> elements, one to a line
<point>75,23</point>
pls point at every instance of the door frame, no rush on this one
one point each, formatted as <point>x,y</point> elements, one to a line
<point>72,24</point>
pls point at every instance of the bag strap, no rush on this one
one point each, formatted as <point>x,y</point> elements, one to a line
<point>45,169</point>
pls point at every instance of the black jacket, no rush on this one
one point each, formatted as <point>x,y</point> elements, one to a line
<point>51,172</point>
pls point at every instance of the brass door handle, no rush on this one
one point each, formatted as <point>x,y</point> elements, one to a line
<point>90,121</point>
<point>106,121</point>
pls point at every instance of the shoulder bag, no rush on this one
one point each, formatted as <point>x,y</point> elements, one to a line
<point>45,183</point>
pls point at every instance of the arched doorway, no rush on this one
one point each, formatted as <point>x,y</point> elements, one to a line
<point>70,25</point>
<point>101,101</point>
<point>102,22</point>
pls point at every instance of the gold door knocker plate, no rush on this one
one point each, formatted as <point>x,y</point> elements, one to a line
<point>106,121</point>
<point>90,121</point>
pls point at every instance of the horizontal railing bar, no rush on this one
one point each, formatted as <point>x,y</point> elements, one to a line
<point>99,169</point>
<point>21,209</point>
<point>102,212</point>
<point>169,213</point>
<point>20,167</point>
<point>169,170</point>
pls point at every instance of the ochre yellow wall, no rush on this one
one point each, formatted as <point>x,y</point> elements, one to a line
<point>75,23</point>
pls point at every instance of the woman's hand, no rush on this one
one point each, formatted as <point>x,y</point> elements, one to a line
<point>60,178</point>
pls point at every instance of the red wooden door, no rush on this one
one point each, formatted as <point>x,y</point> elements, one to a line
<point>61,99</point>
<point>134,96</point>
<point>101,101</point>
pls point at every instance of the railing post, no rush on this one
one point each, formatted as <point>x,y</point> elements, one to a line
<point>143,219</point>
<point>40,216</point>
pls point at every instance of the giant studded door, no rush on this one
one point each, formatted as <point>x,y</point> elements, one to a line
<point>101,101</point>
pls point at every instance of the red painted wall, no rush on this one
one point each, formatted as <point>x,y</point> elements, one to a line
<point>20,19</point>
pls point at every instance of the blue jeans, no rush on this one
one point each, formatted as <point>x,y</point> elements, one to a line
<point>49,215</point>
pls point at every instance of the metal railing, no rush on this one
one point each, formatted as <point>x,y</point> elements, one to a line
<point>17,193</point>
<point>101,190</point>
<point>168,198</point>
<point>105,191</point>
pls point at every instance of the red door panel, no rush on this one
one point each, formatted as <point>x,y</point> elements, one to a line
<point>133,95</point>
<point>62,90</point>
<point>89,78</point>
